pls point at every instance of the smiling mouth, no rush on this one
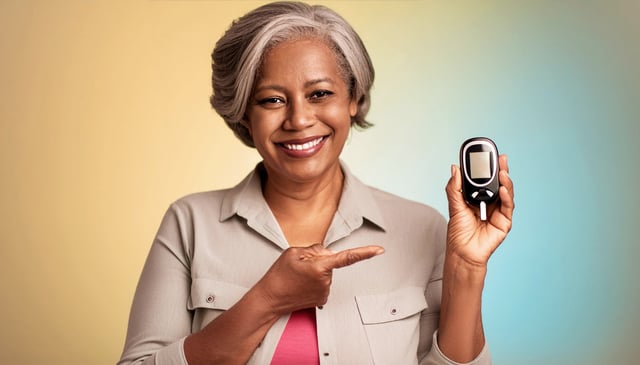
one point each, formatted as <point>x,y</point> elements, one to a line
<point>302,146</point>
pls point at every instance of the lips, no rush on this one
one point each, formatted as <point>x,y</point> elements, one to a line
<point>303,147</point>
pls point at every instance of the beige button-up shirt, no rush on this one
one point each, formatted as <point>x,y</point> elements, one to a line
<point>212,247</point>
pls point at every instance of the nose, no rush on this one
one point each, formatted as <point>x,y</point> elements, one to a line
<point>299,115</point>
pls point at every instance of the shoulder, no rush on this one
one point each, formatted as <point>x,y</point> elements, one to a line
<point>394,202</point>
<point>396,208</point>
<point>415,224</point>
<point>388,210</point>
<point>201,198</point>
<point>199,203</point>
<point>212,201</point>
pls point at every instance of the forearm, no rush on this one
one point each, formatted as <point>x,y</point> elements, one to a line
<point>233,336</point>
<point>460,333</point>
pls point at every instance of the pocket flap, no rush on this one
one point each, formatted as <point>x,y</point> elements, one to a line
<point>392,306</point>
<point>212,294</point>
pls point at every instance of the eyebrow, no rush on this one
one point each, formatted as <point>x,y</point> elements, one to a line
<point>306,84</point>
<point>317,81</point>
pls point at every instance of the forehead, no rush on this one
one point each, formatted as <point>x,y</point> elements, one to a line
<point>308,58</point>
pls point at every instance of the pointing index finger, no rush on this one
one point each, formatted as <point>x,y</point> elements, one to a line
<point>353,255</point>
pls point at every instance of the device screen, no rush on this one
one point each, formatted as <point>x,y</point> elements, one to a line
<point>480,163</point>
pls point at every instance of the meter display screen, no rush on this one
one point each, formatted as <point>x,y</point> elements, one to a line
<point>480,164</point>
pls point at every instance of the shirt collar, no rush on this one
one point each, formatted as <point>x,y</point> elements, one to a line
<point>357,204</point>
<point>245,198</point>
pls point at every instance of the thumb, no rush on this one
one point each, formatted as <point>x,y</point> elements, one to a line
<point>353,255</point>
<point>454,192</point>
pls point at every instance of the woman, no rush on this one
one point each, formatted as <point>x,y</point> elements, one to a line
<point>275,270</point>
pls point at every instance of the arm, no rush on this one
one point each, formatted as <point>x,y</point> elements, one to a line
<point>299,279</point>
<point>234,335</point>
<point>470,243</point>
<point>160,322</point>
<point>162,292</point>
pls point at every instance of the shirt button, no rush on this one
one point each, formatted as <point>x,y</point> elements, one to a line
<point>326,354</point>
<point>320,307</point>
<point>394,311</point>
<point>210,299</point>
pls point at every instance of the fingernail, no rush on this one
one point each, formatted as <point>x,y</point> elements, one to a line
<point>453,170</point>
<point>380,251</point>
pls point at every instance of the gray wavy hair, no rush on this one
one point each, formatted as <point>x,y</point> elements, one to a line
<point>238,55</point>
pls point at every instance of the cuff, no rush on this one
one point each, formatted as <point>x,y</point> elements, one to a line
<point>436,357</point>
<point>172,354</point>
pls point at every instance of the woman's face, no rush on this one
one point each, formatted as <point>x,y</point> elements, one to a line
<point>300,111</point>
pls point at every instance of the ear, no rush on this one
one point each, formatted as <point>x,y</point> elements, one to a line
<point>353,107</point>
<point>245,122</point>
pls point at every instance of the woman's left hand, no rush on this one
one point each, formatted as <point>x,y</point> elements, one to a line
<point>468,237</point>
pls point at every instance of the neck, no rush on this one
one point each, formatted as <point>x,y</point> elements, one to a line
<point>293,196</point>
<point>304,209</point>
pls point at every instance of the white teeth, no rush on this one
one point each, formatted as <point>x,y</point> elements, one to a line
<point>304,146</point>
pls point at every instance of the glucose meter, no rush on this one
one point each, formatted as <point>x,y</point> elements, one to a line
<point>479,164</point>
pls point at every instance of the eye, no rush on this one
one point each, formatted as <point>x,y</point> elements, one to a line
<point>271,102</point>
<point>320,94</point>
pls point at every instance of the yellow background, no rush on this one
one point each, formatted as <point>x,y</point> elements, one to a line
<point>105,121</point>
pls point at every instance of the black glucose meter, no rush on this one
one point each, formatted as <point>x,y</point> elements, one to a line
<point>479,165</point>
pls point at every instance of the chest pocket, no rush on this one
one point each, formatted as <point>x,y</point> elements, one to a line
<point>392,324</point>
<point>210,298</point>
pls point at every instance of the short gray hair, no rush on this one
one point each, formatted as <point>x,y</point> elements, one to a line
<point>238,55</point>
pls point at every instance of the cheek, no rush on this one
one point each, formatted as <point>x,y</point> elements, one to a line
<point>339,117</point>
<point>258,125</point>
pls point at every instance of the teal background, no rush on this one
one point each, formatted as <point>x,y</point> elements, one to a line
<point>556,84</point>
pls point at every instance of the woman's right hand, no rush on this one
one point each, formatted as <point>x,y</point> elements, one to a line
<point>301,277</point>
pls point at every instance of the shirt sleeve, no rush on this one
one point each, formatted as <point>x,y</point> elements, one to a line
<point>436,357</point>
<point>431,316</point>
<point>159,319</point>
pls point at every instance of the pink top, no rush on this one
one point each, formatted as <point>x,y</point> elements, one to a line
<point>299,342</point>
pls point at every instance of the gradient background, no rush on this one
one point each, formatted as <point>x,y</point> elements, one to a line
<point>105,121</point>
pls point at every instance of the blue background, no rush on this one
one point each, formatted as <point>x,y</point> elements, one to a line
<point>557,86</point>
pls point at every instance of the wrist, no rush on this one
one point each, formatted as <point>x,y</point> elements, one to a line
<point>463,272</point>
<point>260,304</point>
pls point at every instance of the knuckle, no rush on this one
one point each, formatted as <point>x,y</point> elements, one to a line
<point>318,271</point>
<point>450,188</point>
<point>291,251</point>
<point>325,295</point>
<point>352,258</point>
<point>316,248</point>
<point>449,185</point>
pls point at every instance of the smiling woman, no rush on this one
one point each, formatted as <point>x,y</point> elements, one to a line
<point>301,113</point>
<point>271,271</point>
<point>236,63</point>
<point>299,120</point>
